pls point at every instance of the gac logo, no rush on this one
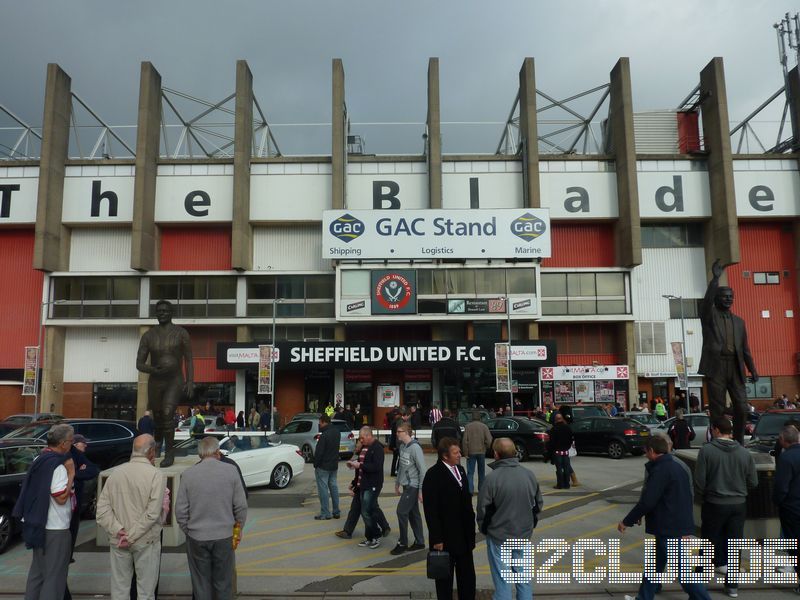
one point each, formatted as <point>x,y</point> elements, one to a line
<point>347,228</point>
<point>528,227</point>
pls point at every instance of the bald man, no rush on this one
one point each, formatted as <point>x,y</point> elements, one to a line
<point>508,505</point>
<point>130,509</point>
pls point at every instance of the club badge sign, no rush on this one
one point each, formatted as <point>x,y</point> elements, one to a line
<point>436,233</point>
<point>394,292</point>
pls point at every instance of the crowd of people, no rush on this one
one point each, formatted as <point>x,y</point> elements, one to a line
<point>444,505</point>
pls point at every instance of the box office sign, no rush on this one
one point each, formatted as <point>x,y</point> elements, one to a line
<point>394,292</point>
<point>361,355</point>
<point>436,233</point>
<point>578,373</point>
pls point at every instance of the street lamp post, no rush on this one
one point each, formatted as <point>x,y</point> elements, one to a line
<point>510,376</point>
<point>275,302</point>
<point>685,381</point>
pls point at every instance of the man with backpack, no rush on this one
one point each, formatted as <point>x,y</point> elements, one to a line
<point>198,423</point>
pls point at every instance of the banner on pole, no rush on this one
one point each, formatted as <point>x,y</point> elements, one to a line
<point>265,369</point>
<point>30,371</point>
<point>680,368</point>
<point>501,364</point>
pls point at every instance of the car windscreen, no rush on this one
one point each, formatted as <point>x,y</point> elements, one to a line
<point>770,425</point>
<point>30,431</point>
<point>341,426</point>
<point>645,419</point>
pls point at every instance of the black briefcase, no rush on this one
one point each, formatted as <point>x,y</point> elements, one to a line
<point>438,564</point>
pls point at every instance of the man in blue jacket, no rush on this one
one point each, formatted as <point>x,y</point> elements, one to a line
<point>666,505</point>
<point>786,491</point>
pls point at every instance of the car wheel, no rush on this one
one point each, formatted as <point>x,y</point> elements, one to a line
<point>521,451</point>
<point>281,476</point>
<point>308,453</point>
<point>616,450</point>
<point>6,529</point>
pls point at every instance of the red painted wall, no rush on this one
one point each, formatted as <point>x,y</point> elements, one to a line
<point>20,297</point>
<point>196,248</point>
<point>204,353</point>
<point>581,245</point>
<point>774,341</point>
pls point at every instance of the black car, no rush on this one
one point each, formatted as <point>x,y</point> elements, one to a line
<point>609,435</point>
<point>529,435</point>
<point>15,458</point>
<point>768,427</point>
<point>584,411</point>
<point>110,440</point>
<point>6,428</point>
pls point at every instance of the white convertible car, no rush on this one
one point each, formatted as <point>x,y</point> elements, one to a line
<point>261,462</point>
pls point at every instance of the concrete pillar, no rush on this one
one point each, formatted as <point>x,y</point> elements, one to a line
<point>339,332</point>
<point>141,383</point>
<point>242,233</point>
<point>793,97</point>
<point>144,233</point>
<point>532,330</point>
<point>51,247</point>
<point>434,140</point>
<point>529,135</point>
<point>628,352</point>
<point>627,229</point>
<point>53,369</point>
<point>339,137</point>
<point>243,333</point>
<point>722,239</point>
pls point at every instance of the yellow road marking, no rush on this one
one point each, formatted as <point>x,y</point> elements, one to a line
<point>298,553</point>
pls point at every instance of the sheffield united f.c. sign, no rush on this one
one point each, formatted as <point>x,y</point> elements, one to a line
<point>394,292</point>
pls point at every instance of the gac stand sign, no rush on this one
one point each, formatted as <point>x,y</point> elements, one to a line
<point>434,233</point>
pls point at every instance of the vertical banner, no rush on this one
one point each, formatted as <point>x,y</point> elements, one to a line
<point>501,362</point>
<point>30,371</point>
<point>265,369</point>
<point>677,355</point>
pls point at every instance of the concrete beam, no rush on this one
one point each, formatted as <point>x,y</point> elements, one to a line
<point>338,137</point>
<point>242,232</point>
<point>51,247</point>
<point>723,241</point>
<point>52,391</point>
<point>144,233</point>
<point>627,229</point>
<point>628,339</point>
<point>529,135</point>
<point>434,133</point>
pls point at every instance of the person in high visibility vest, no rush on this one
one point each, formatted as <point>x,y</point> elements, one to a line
<point>329,410</point>
<point>661,411</point>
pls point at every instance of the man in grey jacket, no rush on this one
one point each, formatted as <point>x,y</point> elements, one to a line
<point>210,504</point>
<point>476,441</point>
<point>724,472</point>
<point>410,471</point>
<point>508,504</point>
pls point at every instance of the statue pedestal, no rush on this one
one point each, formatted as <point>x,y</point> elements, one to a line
<point>762,514</point>
<point>172,536</point>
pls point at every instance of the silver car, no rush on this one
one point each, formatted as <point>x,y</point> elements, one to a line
<point>648,420</point>
<point>697,421</point>
<point>304,433</point>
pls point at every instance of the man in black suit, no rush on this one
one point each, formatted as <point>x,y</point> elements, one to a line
<point>725,353</point>
<point>451,519</point>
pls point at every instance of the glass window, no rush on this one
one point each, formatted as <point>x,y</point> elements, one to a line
<point>95,289</point>
<point>165,288</point>
<point>691,308</point>
<point>125,288</point>
<point>355,283</point>
<point>581,307</point>
<point>610,284</point>
<point>291,287</point>
<point>490,281</point>
<point>430,282</point>
<point>487,331</point>
<point>521,281</point>
<point>672,236</point>
<point>773,278</point>
<point>222,288</point>
<point>580,284</point>
<point>554,285</point>
<point>460,281</point>
<point>554,307</point>
<point>320,286</point>
<point>432,306</point>
<point>320,309</point>
<point>611,307</point>
<point>261,288</point>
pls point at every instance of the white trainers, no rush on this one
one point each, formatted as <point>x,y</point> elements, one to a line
<point>630,597</point>
<point>374,544</point>
<point>732,592</point>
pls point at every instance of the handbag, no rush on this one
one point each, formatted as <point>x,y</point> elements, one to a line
<point>438,564</point>
<point>572,451</point>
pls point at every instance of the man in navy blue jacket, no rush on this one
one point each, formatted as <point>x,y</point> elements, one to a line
<point>369,480</point>
<point>666,505</point>
<point>786,492</point>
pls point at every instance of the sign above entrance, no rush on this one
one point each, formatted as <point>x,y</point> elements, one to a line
<point>435,233</point>
<point>369,355</point>
<point>588,372</point>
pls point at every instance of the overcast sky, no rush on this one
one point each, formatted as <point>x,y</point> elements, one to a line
<point>385,47</point>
